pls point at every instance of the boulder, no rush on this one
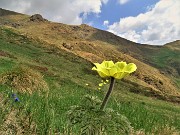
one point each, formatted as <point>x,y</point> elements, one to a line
<point>37,18</point>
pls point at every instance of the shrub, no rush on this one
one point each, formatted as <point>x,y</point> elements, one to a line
<point>90,120</point>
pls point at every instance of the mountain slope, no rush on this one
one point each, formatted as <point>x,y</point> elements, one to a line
<point>95,46</point>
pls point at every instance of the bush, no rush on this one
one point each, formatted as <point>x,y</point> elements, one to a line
<point>90,120</point>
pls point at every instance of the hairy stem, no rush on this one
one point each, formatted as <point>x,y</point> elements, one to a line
<point>106,98</point>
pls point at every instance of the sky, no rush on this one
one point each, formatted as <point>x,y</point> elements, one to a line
<point>154,22</point>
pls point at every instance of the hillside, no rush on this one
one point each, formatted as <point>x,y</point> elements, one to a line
<point>60,56</point>
<point>95,45</point>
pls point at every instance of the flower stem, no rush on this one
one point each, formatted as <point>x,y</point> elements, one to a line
<point>103,105</point>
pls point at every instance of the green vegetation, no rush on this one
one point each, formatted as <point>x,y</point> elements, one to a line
<point>66,75</point>
<point>177,82</point>
<point>164,57</point>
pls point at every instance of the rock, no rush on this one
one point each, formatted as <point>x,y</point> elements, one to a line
<point>148,80</point>
<point>37,18</point>
<point>6,23</point>
<point>160,82</point>
<point>76,28</point>
<point>67,46</point>
<point>15,25</point>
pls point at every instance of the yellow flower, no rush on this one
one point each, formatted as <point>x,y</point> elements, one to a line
<point>100,84</point>
<point>105,69</point>
<point>118,70</point>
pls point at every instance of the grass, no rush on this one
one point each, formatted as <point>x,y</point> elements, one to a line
<point>49,113</point>
<point>177,81</point>
<point>164,54</point>
<point>66,76</point>
<point>142,117</point>
<point>8,64</point>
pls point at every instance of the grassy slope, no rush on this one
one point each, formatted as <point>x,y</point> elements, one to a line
<point>66,77</point>
<point>92,44</point>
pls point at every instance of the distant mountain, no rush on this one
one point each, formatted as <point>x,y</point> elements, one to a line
<point>174,45</point>
<point>158,66</point>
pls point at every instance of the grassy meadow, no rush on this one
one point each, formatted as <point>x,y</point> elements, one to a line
<point>64,75</point>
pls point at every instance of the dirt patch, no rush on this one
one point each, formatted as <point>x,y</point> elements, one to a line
<point>40,68</point>
<point>13,123</point>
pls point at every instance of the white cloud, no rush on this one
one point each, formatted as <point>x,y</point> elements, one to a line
<point>90,23</point>
<point>123,1</point>
<point>65,11</point>
<point>105,1</point>
<point>159,25</point>
<point>106,23</point>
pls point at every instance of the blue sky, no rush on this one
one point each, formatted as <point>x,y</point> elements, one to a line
<point>154,22</point>
<point>113,11</point>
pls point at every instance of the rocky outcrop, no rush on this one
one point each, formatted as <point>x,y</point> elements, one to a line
<point>37,18</point>
<point>67,46</point>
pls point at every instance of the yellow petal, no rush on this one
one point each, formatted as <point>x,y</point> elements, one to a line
<point>94,68</point>
<point>100,84</point>
<point>131,67</point>
<point>112,71</point>
<point>105,71</point>
<point>120,75</point>
<point>120,66</point>
<point>108,64</point>
<point>107,80</point>
<point>101,74</point>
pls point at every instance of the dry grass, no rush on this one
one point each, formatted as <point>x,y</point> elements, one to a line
<point>12,123</point>
<point>164,131</point>
<point>24,79</point>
